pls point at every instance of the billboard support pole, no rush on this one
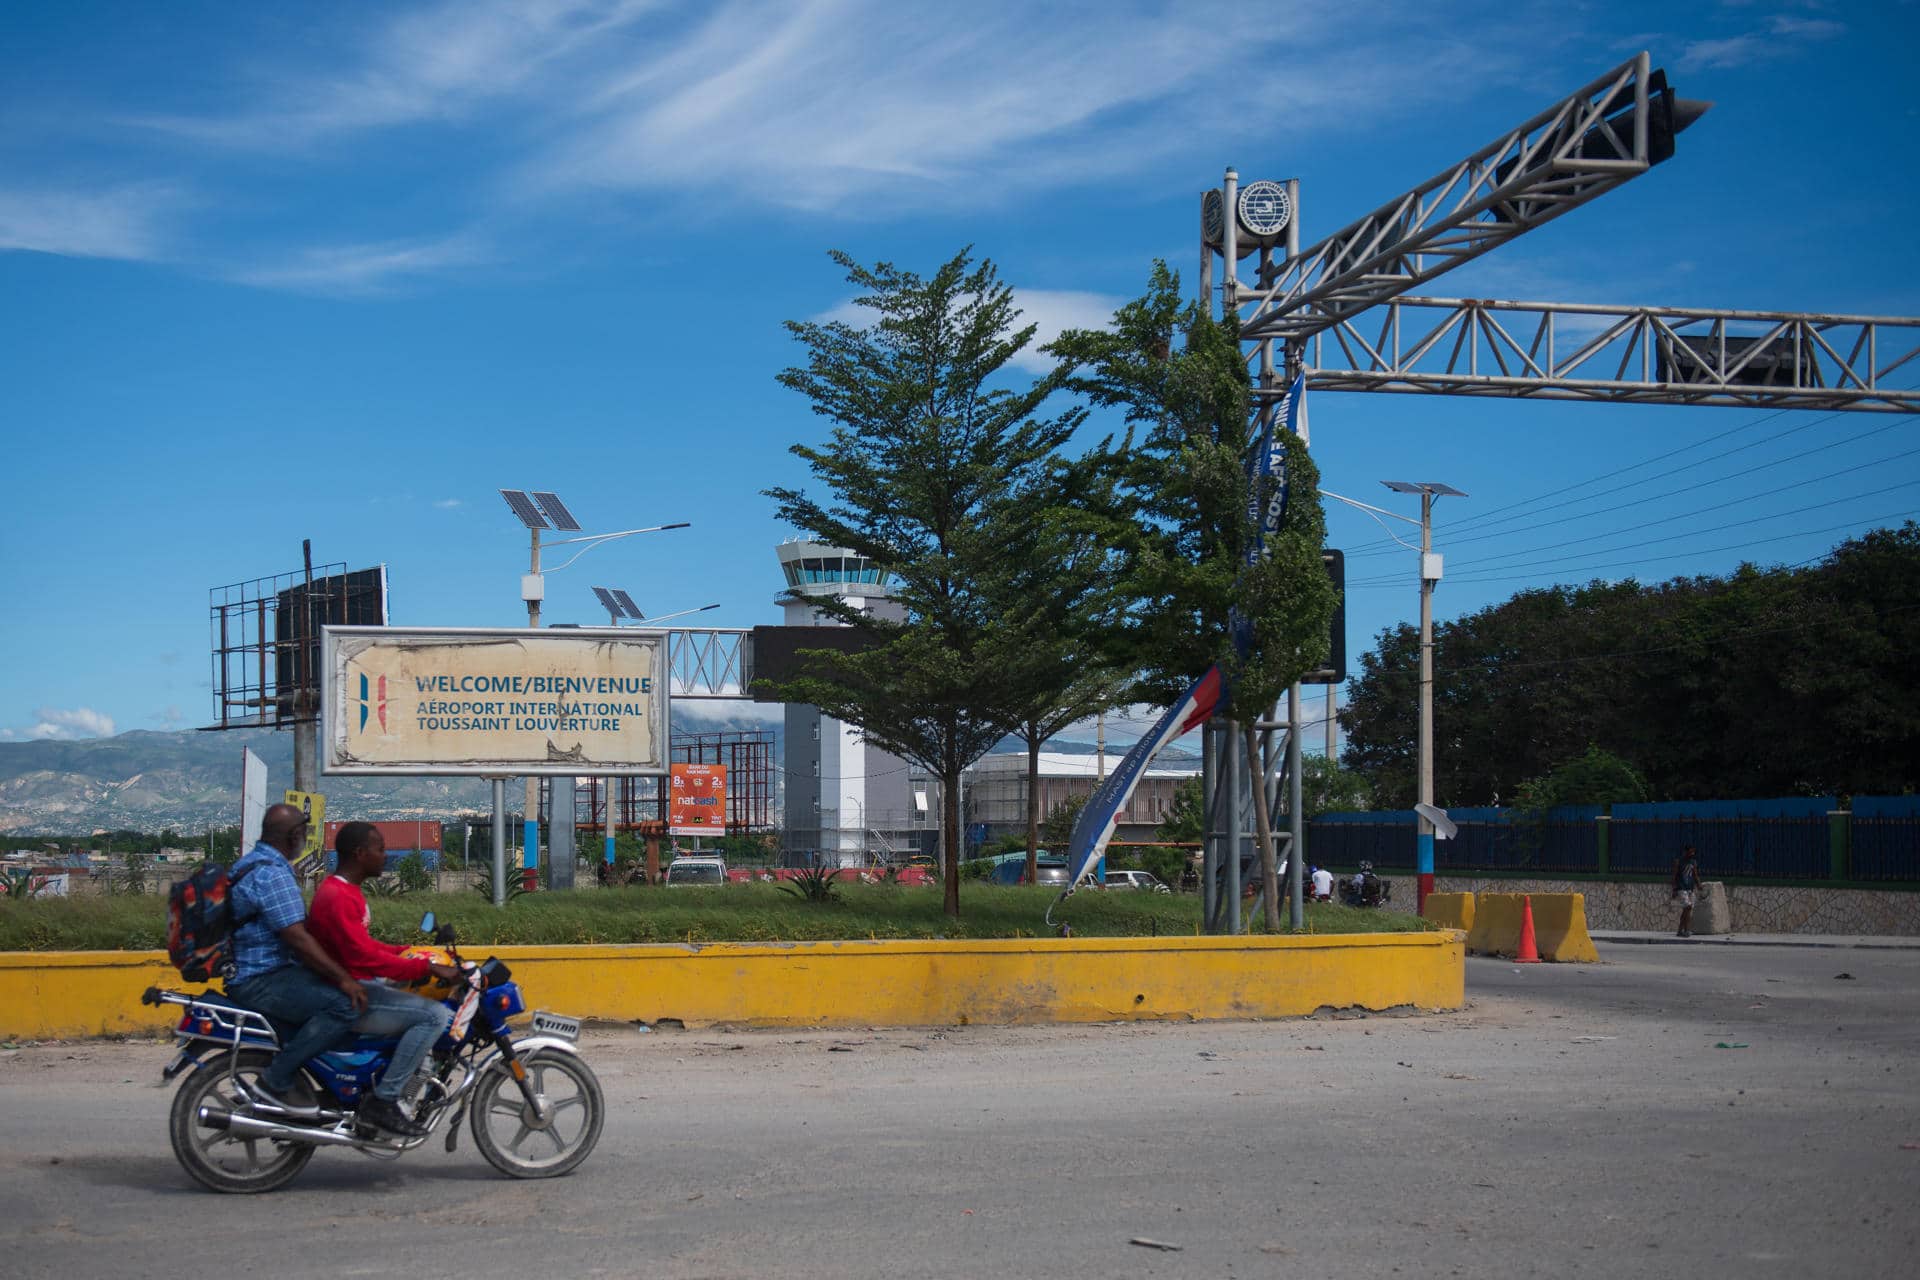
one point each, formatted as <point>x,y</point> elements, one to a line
<point>306,725</point>
<point>499,842</point>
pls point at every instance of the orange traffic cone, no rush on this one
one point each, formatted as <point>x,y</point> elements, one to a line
<point>1529,949</point>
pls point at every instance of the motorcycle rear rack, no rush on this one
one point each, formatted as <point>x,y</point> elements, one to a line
<point>218,1023</point>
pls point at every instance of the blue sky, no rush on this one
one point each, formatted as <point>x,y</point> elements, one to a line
<point>339,272</point>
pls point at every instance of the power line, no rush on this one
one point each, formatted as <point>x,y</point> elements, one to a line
<point>1680,555</point>
<point>1494,561</point>
<point>1477,519</point>
<point>1699,484</point>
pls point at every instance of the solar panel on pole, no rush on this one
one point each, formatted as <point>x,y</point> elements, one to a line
<point>556,511</point>
<point>607,602</point>
<point>523,507</point>
<point>626,602</point>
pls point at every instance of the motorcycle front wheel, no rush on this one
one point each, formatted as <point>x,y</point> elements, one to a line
<point>221,1160</point>
<point>521,1145</point>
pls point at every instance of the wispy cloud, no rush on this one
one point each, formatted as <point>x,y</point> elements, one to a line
<point>119,222</point>
<point>360,269</point>
<point>1782,35</point>
<point>925,104</point>
<point>62,724</point>
<point>535,111</point>
<point>1049,310</point>
<point>443,63</point>
<point>448,504</point>
<point>851,106</point>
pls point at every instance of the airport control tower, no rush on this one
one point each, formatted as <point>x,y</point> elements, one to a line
<point>845,798</point>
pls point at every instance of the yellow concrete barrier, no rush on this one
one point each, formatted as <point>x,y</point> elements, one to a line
<point>1559,926</point>
<point>1453,910</point>
<point>840,984</point>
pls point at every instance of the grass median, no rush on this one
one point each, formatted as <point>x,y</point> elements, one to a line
<point>730,913</point>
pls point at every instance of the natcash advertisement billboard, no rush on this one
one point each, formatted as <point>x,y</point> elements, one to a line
<point>697,800</point>
<point>451,700</point>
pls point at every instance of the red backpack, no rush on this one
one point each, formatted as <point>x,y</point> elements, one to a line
<point>200,922</point>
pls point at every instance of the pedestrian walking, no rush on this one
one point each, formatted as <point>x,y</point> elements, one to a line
<point>1686,880</point>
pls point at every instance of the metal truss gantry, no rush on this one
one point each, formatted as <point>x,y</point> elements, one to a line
<point>709,662</point>
<point>1582,147</point>
<point>1342,314</point>
<point>1632,355</point>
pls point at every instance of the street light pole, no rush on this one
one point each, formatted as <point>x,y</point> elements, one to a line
<point>1430,574</point>
<point>539,511</point>
<point>533,591</point>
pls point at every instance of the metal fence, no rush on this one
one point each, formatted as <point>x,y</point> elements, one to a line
<point>1791,838</point>
<point>1488,839</point>
<point>1563,839</point>
<point>1885,838</point>
<point>1788,839</point>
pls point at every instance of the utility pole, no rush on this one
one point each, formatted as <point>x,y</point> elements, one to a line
<point>1429,574</point>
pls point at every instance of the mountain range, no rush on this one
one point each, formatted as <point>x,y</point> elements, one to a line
<point>189,781</point>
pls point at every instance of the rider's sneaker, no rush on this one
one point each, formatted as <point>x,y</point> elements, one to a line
<point>382,1114</point>
<point>260,1091</point>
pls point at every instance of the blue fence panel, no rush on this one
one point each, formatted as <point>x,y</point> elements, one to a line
<point>1492,839</point>
<point>1785,838</point>
<point>1383,837</point>
<point>1886,838</point>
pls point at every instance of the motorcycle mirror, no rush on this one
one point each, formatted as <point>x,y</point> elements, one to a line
<point>426,923</point>
<point>444,935</point>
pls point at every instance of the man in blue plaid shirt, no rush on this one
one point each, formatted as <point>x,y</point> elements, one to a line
<point>279,969</point>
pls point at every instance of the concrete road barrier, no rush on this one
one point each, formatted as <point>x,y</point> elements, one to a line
<point>1559,926</point>
<point>848,984</point>
<point>1452,910</point>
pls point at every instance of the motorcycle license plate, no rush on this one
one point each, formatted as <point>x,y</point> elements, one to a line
<point>554,1024</point>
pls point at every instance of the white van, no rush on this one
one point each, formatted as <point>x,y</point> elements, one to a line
<point>696,870</point>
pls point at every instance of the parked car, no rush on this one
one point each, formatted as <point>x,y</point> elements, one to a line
<point>1050,871</point>
<point>1142,880</point>
<point>696,870</point>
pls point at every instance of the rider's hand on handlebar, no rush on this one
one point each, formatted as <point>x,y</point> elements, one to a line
<point>446,973</point>
<point>353,991</point>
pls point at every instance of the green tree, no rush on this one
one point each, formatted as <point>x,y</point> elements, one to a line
<point>1061,593</point>
<point>1325,787</point>
<point>1208,590</point>
<point>1789,681</point>
<point>921,472</point>
<point>1186,813</point>
<point>1057,830</point>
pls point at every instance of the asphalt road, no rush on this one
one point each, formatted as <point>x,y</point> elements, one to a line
<point>1573,1121</point>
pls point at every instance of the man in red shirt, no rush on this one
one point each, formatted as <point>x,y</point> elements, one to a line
<point>338,920</point>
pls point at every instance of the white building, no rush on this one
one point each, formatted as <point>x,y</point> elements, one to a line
<point>996,791</point>
<point>844,797</point>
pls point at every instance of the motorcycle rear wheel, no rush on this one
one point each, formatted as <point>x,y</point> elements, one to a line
<point>220,1160</point>
<point>519,1146</point>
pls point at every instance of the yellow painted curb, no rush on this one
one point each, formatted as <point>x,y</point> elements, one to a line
<point>1559,926</point>
<point>868,983</point>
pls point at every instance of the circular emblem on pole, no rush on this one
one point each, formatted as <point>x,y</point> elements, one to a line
<point>1265,209</point>
<point>1213,218</point>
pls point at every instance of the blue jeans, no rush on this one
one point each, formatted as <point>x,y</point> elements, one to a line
<point>295,993</point>
<point>416,1020</point>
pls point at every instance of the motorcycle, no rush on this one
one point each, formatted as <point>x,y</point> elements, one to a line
<point>1372,891</point>
<point>533,1103</point>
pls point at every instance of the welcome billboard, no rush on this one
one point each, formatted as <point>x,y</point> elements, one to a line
<point>451,700</point>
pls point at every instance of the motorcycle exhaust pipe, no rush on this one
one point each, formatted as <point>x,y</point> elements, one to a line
<point>249,1126</point>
